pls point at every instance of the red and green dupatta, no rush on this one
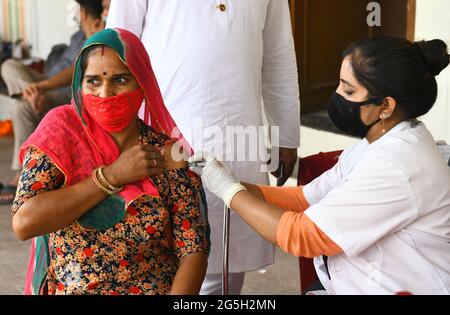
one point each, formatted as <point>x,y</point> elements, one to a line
<point>72,140</point>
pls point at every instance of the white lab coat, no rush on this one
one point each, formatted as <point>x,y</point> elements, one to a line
<point>387,205</point>
<point>217,65</point>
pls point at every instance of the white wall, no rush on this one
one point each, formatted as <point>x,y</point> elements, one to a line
<point>47,22</point>
<point>2,31</point>
<point>433,21</point>
<point>50,23</point>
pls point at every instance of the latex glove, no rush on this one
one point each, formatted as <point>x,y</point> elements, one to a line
<point>216,177</point>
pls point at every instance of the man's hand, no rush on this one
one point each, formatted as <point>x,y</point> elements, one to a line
<point>40,104</point>
<point>33,89</point>
<point>34,95</point>
<point>288,157</point>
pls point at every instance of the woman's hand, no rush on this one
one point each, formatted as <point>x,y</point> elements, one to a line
<point>134,164</point>
<point>216,177</point>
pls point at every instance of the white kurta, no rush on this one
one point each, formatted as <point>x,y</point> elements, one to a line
<point>387,205</point>
<point>216,66</point>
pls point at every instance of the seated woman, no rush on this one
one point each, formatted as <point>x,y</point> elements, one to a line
<point>379,221</point>
<point>122,216</point>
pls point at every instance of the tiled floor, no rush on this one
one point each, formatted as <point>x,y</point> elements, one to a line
<point>13,253</point>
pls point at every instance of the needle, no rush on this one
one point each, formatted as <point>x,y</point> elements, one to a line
<point>197,164</point>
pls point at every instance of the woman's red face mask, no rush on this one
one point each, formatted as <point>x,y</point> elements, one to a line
<point>111,94</point>
<point>115,113</point>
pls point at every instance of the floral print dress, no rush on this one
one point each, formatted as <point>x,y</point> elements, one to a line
<point>140,254</point>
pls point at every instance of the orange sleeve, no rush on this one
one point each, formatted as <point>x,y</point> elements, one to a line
<point>299,236</point>
<point>287,198</point>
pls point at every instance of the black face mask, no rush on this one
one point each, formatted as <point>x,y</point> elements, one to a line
<point>346,115</point>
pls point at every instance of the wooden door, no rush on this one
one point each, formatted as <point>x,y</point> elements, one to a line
<point>397,19</point>
<point>324,28</point>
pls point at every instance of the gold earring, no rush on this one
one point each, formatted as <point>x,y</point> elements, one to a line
<point>383,118</point>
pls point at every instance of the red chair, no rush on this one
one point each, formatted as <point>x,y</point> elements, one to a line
<point>310,168</point>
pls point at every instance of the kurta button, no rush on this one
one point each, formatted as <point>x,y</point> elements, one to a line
<point>222,7</point>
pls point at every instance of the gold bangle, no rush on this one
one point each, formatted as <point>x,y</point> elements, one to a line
<point>99,185</point>
<point>107,183</point>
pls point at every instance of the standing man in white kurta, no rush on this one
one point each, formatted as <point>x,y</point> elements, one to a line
<point>215,62</point>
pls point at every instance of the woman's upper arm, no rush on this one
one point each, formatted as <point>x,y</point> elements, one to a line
<point>322,185</point>
<point>39,174</point>
<point>174,154</point>
<point>331,179</point>
<point>189,223</point>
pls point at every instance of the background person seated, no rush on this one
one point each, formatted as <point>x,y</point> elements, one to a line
<point>34,94</point>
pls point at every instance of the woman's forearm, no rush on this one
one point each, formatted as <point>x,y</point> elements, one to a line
<point>54,210</point>
<point>261,216</point>
<point>190,275</point>
<point>291,230</point>
<point>254,190</point>
<point>286,198</point>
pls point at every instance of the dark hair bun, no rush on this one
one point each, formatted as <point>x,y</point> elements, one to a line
<point>436,55</point>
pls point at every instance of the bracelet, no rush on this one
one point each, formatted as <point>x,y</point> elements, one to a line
<point>104,181</point>
<point>99,185</point>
